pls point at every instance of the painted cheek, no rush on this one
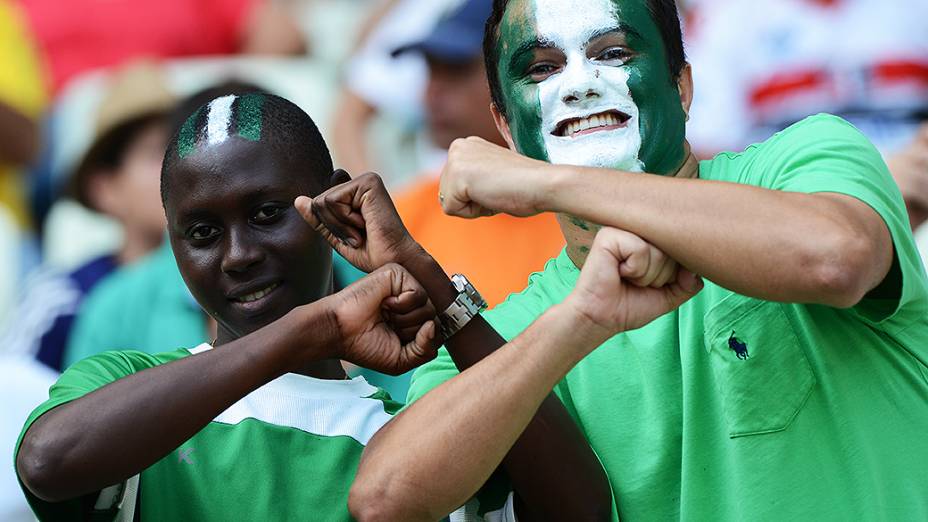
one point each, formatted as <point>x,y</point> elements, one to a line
<point>663,129</point>
<point>526,123</point>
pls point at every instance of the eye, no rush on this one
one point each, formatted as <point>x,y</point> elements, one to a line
<point>267,214</point>
<point>614,56</point>
<point>201,232</point>
<point>541,71</point>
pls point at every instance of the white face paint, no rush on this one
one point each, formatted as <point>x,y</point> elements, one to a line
<point>585,88</point>
<point>219,119</point>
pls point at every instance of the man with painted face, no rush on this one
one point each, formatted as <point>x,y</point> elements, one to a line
<point>792,387</point>
<point>262,423</point>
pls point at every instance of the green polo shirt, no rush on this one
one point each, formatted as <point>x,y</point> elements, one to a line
<point>734,408</point>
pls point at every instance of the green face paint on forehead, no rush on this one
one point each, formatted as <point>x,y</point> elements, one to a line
<point>223,117</point>
<point>609,100</point>
<point>519,94</point>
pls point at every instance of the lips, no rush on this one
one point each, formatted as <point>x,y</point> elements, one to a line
<point>253,298</point>
<point>602,121</point>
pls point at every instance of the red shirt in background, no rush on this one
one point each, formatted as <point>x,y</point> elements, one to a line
<point>75,36</point>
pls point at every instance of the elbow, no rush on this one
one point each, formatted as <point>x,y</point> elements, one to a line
<point>375,502</point>
<point>39,471</point>
<point>843,274</point>
<point>364,503</point>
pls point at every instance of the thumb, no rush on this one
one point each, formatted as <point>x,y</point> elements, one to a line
<point>304,205</point>
<point>686,286</point>
<point>425,346</point>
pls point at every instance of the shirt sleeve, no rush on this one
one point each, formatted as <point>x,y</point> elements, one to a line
<point>827,154</point>
<point>79,380</point>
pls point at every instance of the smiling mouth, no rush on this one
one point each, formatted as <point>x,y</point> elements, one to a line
<point>603,121</point>
<point>256,296</point>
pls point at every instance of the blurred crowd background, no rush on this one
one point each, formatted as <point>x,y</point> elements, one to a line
<point>92,90</point>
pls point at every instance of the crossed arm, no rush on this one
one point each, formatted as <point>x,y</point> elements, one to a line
<point>105,437</point>
<point>823,248</point>
<point>553,471</point>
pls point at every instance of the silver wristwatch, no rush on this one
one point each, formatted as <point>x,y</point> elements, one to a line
<point>468,304</point>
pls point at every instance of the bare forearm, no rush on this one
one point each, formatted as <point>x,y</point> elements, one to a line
<point>128,425</point>
<point>552,454</point>
<point>472,421</point>
<point>773,245</point>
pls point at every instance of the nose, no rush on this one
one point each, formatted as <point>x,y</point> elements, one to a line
<point>240,253</point>
<point>580,82</point>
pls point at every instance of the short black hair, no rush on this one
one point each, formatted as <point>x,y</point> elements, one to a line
<point>284,127</point>
<point>663,12</point>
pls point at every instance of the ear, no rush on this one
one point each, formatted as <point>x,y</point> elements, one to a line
<point>685,88</point>
<point>502,126</point>
<point>338,177</point>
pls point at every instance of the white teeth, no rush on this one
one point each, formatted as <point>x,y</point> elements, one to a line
<point>257,295</point>
<point>591,122</point>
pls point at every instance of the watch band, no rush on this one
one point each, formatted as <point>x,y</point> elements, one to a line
<point>465,307</point>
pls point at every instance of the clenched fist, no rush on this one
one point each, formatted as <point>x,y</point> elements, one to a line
<point>384,322</point>
<point>606,301</point>
<point>360,222</point>
<point>482,179</point>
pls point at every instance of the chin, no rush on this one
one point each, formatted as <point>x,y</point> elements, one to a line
<point>609,150</point>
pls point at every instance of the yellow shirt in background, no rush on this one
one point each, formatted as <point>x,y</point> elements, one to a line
<point>22,87</point>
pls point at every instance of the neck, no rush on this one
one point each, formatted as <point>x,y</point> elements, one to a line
<point>580,234</point>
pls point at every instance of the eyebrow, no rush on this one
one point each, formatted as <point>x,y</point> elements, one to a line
<point>539,43</point>
<point>525,48</point>
<point>622,28</point>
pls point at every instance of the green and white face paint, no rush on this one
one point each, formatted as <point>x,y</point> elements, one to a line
<point>588,116</point>
<point>222,118</point>
<point>586,82</point>
<point>219,119</point>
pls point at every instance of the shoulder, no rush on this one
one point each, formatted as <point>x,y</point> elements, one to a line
<point>821,149</point>
<point>123,362</point>
<point>822,128</point>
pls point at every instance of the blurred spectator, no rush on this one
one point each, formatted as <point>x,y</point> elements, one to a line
<point>147,306</point>
<point>118,176</point>
<point>22,99</point>
<point>760,66</point>
<point>496,253</point>
<point>910,168</point>
<point>78,35</point>
<point>378,83</point>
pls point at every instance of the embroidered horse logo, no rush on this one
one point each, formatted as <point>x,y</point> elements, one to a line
<point>740,348</point>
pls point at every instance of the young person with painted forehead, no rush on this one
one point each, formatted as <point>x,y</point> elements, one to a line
<point>263,424</point>
<point>793,386</point>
